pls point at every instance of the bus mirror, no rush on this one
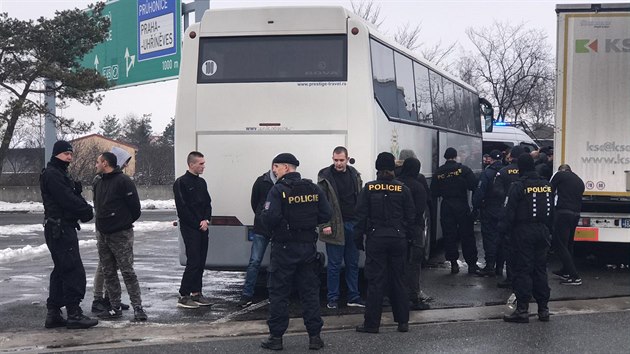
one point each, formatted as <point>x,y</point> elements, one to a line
<point>488,122</point>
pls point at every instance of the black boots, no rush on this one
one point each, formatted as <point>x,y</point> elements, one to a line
<point>76,318</point>
<point>485,272</point>
<point>543,313</point>
<point>54,318</point>
<point>520,315</point>
<point>403,327</point>
<point>363,329</point>
<point>454,267</point>
<point>273,343</point>
<point>315,342</point>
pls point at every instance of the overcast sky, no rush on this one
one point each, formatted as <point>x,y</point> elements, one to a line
<point>444,21</point>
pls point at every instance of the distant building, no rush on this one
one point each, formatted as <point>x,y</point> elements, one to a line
<point>92,145</point>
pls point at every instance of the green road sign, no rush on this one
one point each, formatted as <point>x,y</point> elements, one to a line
<point>143,44</point>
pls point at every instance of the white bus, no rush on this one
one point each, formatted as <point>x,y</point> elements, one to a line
<point>255,82</point>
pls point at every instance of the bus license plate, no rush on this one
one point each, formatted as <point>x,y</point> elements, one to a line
<point>625,223</point>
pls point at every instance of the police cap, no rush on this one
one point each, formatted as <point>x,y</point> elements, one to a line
<point>496,155</point>
<point>385,161</point>
<point>286,157</point>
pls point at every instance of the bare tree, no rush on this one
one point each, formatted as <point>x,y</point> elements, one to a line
<point>82,167</point>
<point>407,35</point>
<point>368,11</point>
<point>510,64</point>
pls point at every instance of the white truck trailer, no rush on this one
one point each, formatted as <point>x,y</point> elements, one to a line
<point>593,115</point>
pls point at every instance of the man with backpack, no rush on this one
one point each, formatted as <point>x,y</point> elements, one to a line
<point>486,199</point>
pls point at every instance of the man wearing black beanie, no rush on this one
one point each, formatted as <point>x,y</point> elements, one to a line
<point>529,215</point>
<point>452,181</point>
<point>385,213</point>
<point>63,208</point>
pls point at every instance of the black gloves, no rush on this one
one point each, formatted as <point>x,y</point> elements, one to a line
<point>475,214</point>
<point>358,241</point>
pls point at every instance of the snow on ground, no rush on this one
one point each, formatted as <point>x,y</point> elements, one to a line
<point>39,207</point>
<point>8,255</point>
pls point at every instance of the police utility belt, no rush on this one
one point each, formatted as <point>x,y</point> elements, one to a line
<point>56,227</point>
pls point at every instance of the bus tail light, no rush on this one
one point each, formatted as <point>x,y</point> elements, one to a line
<point>225,221</point>
<point>585,222</point>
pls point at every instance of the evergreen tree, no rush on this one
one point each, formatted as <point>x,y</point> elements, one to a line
<point>110,127</point>
<point>138,131</point>
<point>31,51</point>
<point>168,135</point>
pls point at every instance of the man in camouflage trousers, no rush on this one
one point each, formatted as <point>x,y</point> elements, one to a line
<point>117,207</point>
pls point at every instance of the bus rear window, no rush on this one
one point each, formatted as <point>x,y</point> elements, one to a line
<point>272,59</point>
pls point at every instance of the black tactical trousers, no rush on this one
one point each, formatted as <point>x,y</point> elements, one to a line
<point>196,242</point>
<point>385,268</point>
<point>293,263</point>
<point>458,225</point>
<point>503,254</point>
<point>67,280</point>
<point>530,244</point>
<point>563,233</point>
<point>490,235</point>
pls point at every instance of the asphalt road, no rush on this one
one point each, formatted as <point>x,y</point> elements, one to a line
<point>585,333</point>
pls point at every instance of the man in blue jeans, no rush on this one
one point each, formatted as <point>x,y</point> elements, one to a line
<point>261,235</point>
<point>341,184</point>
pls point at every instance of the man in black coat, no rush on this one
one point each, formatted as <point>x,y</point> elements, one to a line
<point>293,209</point>
<point>194,210</point>
<point>260,234</point>
<point>63,208</point>
<point>502,182</point>
<point>409,175</point>
<point>451,182</point>
<point>386,215</point>
<point>486,199</point>
<point>117,207</point>
<point>529,214</point>
<point>569,188</point>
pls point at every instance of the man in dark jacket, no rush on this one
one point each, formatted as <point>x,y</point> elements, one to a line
<point>529,214</point>
<point>386,215</point>
<point>341,184</point>
<point>486,199</point>
<point>194,210</point>
<point>117,207</point>
<point>502,182</point>
<point>451,182</point>
<point>293,209</point>
<point>260,234</point>
<point>63,208</point>
<point>415,249</point>
<point>569,188</point>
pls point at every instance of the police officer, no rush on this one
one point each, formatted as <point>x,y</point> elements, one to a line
<point>63,208</point>
<point>452,181</point>
<point>385,212</point>
<point>293,209</point>
<point>529,214</point>
<point>502,182</point>
<point>490,203</point>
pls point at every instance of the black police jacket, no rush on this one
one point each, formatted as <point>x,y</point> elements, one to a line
<point>260,189</point>
<point>453,181</point>
<point>116,202</point>
<point>192,200</point>
<point>61,195</point>
<point>385,209</point>
<point>529,201</point>
<point>312,208</point>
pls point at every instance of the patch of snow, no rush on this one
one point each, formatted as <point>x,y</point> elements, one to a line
<point>29,252</point>
<point>36,207</point>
